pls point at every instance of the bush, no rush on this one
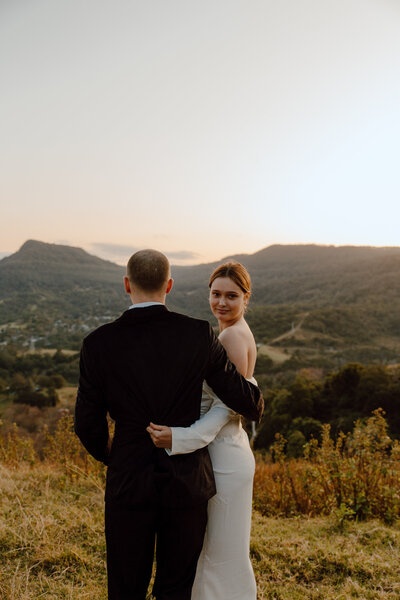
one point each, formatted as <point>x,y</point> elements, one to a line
<point>60,448</point>
<point>359,475</point>
<point>38,399</point>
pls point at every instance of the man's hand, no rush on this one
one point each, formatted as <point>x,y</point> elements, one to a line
<point>161,435</point>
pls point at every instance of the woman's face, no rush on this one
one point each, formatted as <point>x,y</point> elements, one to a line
<point>227,300</point>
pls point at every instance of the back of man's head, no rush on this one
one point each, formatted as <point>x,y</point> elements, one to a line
<point>148,270</point>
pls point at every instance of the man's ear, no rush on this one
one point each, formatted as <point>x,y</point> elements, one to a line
<point>169,285</point>
<point>127,285</point>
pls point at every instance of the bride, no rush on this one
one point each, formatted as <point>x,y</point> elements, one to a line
<point>224,569</point>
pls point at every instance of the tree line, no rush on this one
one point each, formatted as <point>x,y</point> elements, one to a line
<point>33,379</point>
<point>299,409</point>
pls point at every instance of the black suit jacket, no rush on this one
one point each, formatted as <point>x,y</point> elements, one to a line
<point>149,365</point>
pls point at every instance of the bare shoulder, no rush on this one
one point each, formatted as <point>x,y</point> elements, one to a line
<point>239,334</point>
<point>239,344</point>
<point>232,335</point>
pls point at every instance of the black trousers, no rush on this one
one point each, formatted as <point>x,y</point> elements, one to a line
<point>131,537</point>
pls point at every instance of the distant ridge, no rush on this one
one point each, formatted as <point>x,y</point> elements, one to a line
<point>308,274</point>
<point>311,274</point>
<point>60,280</point>
<point>345,297</point>
<point>310,252</point>
<point>35,251</point>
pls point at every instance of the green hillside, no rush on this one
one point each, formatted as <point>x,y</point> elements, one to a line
<point>342,303</point>
<point>314,310</point>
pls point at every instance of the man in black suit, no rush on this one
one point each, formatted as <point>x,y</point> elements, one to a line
<point>149,365</point>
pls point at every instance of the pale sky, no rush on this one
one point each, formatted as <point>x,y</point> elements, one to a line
<point>200,128</point>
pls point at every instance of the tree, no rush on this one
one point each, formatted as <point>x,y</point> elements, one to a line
<point>20,383</point>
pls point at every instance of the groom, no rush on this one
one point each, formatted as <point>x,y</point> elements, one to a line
<point>149,365</point>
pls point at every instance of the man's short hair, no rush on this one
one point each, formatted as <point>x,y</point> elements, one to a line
<point>148,270</point>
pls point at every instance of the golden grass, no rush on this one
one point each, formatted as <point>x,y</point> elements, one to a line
<point>302,558</point>
<point>52,534</point>
<point>356,477</point>
<point>67,396</point>
<point>275,354</point>
<point>52,546</point>
<point>50,351</point>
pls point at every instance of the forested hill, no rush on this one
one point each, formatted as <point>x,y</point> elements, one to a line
<point>61,281</point>
<point>311,274</point>
<point>344,294</point>
<point>307,274</point>
<point>38,266</point>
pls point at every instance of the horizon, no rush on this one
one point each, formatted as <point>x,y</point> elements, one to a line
<point>199,128</point>
<point>123,264</point>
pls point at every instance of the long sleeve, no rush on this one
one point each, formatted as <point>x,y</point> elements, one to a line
<point>202,431</point>
<point>91,424</point>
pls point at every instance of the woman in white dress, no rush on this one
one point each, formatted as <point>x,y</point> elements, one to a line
<point>224,569</point>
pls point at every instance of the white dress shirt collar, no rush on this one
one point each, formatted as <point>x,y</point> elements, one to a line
<point>145,304</point>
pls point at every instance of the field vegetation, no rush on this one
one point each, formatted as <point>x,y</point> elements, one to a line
<point>340,537</point>
<point>35,387</point>
<point>343,302</point>
<point>327,492</point>
<point>301,404</point>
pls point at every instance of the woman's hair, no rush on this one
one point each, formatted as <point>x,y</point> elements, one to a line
<point>235,271</point>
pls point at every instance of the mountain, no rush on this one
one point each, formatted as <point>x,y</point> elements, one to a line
<point>40,266</point>
<point>330,297</point>
<point>308,274</point>
<point>312,274</point>
<point>60,280</point>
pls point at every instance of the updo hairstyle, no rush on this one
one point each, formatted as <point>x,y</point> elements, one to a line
<point>235,271</point>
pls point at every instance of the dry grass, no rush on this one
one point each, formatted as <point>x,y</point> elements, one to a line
<point>275,354</point>
<point>67,396</point>
<point>299,558</point>
<point>50,351</point>
<point>51,535</point>
<point>356,477</point>
<point>51,520</point>
<point>52,546</point>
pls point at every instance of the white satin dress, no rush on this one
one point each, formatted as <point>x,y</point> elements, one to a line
<point>224,569</point>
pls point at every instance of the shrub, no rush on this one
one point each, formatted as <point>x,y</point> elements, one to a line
<point>359,475</point>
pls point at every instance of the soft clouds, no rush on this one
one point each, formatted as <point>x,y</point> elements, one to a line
<point>115,250</point>
<point>183,255</point>
<point>121,253</point>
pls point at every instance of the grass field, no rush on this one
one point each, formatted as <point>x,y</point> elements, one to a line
<point>67,396</point>
<point>52,545</point>
<point>275,354</point>
<point>50,351</point>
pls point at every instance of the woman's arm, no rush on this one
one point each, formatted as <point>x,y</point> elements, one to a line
<point>202,431</point>
<point>182,440</point>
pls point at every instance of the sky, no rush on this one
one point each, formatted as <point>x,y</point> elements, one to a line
<point>202,129</point>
